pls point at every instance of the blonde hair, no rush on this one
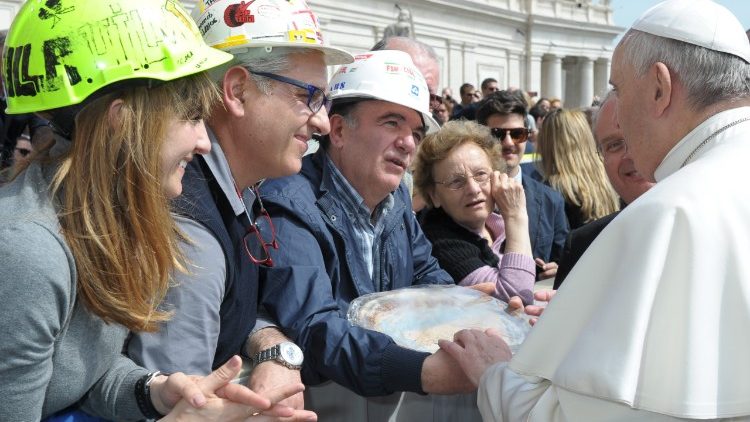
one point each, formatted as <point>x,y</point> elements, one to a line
<point>438,146</point>
<point>111,205</point>
<point>571,165</point>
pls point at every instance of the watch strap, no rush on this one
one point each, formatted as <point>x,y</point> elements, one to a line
<point>143,396</point>
<point>272,354</point>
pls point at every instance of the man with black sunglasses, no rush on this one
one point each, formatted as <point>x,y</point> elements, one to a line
<point>274,101</point>
<point>504,112</point>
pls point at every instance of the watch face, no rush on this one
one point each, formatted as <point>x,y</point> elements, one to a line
<point>291,353</point>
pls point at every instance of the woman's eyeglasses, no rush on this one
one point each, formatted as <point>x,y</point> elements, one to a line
<point>316,98</point>
<point>459,182</point>
<point>517,135</point>
<point>262,224</point>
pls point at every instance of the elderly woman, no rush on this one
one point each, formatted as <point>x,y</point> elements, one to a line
<point>571,165</point>
<point>457,173</point>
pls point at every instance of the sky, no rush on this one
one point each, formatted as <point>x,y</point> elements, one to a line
<point>627,11</point>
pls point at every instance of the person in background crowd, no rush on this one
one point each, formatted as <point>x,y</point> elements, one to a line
<point>441,114</point>
<point>488,86</point>
<point>646,296</point>
<point>504,112</point>
<point>621,172</point>
<point>88,239</point>
<point>449,100</point>
<point>468,96</point>
<point>274,100</point>
<point>458,171</point>
<point>12,127</point>
<point>21,152</point>
<point>570,164</point>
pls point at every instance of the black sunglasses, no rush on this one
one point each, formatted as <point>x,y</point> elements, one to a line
<point>518,135</point>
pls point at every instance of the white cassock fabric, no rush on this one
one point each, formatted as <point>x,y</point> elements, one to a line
<point>655,315</point>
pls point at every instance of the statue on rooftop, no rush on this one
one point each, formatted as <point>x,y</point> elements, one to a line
<point>403,27</point>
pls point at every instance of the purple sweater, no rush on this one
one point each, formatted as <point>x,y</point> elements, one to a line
<point>467,257</point>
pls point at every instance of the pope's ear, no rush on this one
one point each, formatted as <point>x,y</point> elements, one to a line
<point>662,88</point>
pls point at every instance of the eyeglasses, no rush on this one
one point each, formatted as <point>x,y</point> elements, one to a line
<point>612,148</point>
<point>261,224</point>
<point>316,97</point>
<point>517,135</point>
<point>459,182</point>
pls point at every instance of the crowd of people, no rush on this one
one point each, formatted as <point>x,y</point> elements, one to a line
<point>163,216</point>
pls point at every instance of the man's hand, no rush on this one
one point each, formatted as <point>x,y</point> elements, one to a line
<point>441,374</point>
<point>547,269</point>
<point>475,351</point>
<point>269,375</point>
<point>221,400</point>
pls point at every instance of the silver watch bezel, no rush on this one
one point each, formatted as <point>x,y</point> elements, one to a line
<point>291,354</point>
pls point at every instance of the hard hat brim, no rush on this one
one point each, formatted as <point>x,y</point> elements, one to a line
<point>331,55</point>
<point>431,125</point>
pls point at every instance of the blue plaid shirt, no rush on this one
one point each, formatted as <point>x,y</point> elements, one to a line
<point>368,226</point>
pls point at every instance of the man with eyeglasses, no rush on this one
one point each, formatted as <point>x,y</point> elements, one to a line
<point>625,179</point>
<point>274,100</point>
<point>504,112</point>
<point>345,228</point>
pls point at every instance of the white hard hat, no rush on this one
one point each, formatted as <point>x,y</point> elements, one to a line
<point>236,26</point>
<point>386,75</point>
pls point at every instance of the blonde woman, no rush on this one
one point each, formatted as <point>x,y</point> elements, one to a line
<point>571,165</point>
<point>88,242</point>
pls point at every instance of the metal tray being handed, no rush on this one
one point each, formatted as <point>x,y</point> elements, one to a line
<point>417,317</point>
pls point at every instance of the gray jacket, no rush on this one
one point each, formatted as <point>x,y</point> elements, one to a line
<point>54,352</point>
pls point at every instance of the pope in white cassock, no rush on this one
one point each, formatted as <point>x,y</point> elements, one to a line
<point>653,323</point>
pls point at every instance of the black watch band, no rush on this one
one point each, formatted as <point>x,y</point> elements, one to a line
<point>143,396</point>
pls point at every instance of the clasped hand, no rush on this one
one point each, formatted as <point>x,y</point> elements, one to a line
<point>215,397</point>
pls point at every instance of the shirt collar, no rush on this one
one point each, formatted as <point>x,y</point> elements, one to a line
<point>675,158</point>
<point>219,166</point>
<point>347,193</point>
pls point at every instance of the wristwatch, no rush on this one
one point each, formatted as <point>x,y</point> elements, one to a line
<point>286,353</point>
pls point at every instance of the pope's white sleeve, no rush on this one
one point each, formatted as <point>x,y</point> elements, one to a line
<point>507,396</point>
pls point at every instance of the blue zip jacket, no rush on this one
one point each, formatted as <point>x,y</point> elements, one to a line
<point>317,273</point>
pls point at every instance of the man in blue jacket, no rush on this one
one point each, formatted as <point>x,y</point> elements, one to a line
<point>344,228</point>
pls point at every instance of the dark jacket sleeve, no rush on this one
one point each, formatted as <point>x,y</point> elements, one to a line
<point>299,293</point>
<point>561,229</point>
